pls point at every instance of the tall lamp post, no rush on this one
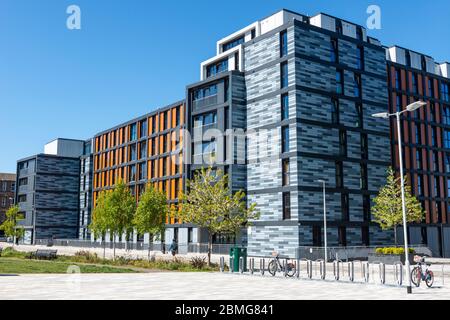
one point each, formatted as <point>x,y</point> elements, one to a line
<point>324,218</point>
<point>410,108</point>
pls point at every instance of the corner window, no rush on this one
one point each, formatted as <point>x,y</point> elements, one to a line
<point>286,206</point>
<point>285,139</point>
<point>339,175</point>
<point>360,57</point>
<point>339,82</point>
<point>398,79</point>
<point>415,88</point>
<point>334,111</point>
<point>359,115</point>
<point>285,172</point>
<point>445,92</point>
<point>283,43</point>
<point>284,74</point>
<point>284,107</point>
<point>334,51</point>
<point>357,86</point>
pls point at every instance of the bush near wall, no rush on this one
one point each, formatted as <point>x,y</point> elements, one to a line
<point>393,251</point>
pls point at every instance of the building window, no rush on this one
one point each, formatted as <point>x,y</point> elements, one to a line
<point>143,128</point>
<point>398,79</point>
<point>359,115</point>
<point>285,139</point>
<point>286,206</point>
<point>190,235</point>
<point>359,33</point>
<point>132,173</point>
<point>233,43</point>
<point>418,135</point>
<point>436,161</point>
<point>343,143</point>
<point>415,87</point>
<point>22,198</point>
<point>334,51</point>
<point>434,136</point>
<point>142,171</point>
<point>177,116</point>
<point>143,150</point>
<point>334,111</point>
<point>358,86</point>
<point>420,185</point>
<point>339,82</point>
<point>216,68</point>
<point>205,119</point>
<point>444,92</point>
<point>399,103</point>
<point>447,162</point>
<point>23,182</point>
<point>133,132</point>
<point>446,139</point>
<point>419,159</point>
<point>204,93</point>
<point>363,179</point>
<point>342,237</point>
<point>366,208</point>
<point>132,152</point>
<point>285,172</point>
<point>284,107</point>
<point>408,59</point>
<point>364,147</point>
<point>283,43</point>
<point>446,115</point>
<point>284,74</point>
<point>360,58</point>
<point>430,88</point>
<point>339,175</point>
<point>436,187</point>
<point>345,207</point>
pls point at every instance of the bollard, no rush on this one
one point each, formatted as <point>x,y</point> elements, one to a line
<point>365,268</point>
<point>336,270</point>
<point>382,273</point>
<point>398,273</point>
<point>222,264</point>
<point>252,265</point>
<point>231,265</point>
<point>241,265</point>
<point>262,266</point>
<point>351,271</point>
<point>309,268</point>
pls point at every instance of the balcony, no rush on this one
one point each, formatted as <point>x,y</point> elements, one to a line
<point>204,102</point>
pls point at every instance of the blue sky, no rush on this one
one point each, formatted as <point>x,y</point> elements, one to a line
<point>133,56</point>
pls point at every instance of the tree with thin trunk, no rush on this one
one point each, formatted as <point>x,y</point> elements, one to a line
<point>121,206</point>
<point>388,211</point>
<point>151,214</point>
<point>210,204</point>
<point>10,225</point>
<point>99,225</point>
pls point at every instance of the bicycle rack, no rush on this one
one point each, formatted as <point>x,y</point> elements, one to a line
<point>297,268</point>
<point>309,268</point>
<point>366,272</point>
<point>222,264</point>
<point>381,271</point>
<point>336,269</point>
<point>322,268</point>
<point>241,265</point>
<point>252,265</point>
<point>231,265</point>
<point>351,271</point>
<point>262,264</point>
<point>398,273</point>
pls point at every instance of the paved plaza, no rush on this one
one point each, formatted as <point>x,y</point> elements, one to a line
<point>198,286</point>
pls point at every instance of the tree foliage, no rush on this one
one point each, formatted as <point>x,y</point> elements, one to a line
<point>210,204</point>
<point>10,225</point>
<point>388,212</point>
<point>151,213</point>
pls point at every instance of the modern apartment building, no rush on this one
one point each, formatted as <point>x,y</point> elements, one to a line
<point>426,140</point>
<point>47,191</point>
<point>7,187</point>
<point>141,151</point>
<point>303,89</point>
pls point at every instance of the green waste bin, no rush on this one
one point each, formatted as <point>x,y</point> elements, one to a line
<point>235,254</point>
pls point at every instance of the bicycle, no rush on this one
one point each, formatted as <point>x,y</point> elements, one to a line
<point>275,265</point>
<point>418,275</point>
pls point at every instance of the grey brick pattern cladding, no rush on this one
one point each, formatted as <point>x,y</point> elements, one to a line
<point>313,138</point>
<point>52,196</point>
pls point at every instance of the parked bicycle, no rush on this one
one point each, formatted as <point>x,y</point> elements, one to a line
<point>275,266</point>
<point>418,274</point>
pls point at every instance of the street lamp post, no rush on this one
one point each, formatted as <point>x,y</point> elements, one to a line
<point>410,108</point>
<point>324,219</point>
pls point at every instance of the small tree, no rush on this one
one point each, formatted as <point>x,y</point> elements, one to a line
<point>99,224</point>
<point>10,227</point>
<point>388,211</point>
<point>209,204</point>
<point>151,214</point>
<point>121,206</point>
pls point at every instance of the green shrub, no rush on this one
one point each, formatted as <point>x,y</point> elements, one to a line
<point>9,252</point>
<point>393,251</point>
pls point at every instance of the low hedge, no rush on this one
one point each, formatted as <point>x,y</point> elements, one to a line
<point>393,251</point>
